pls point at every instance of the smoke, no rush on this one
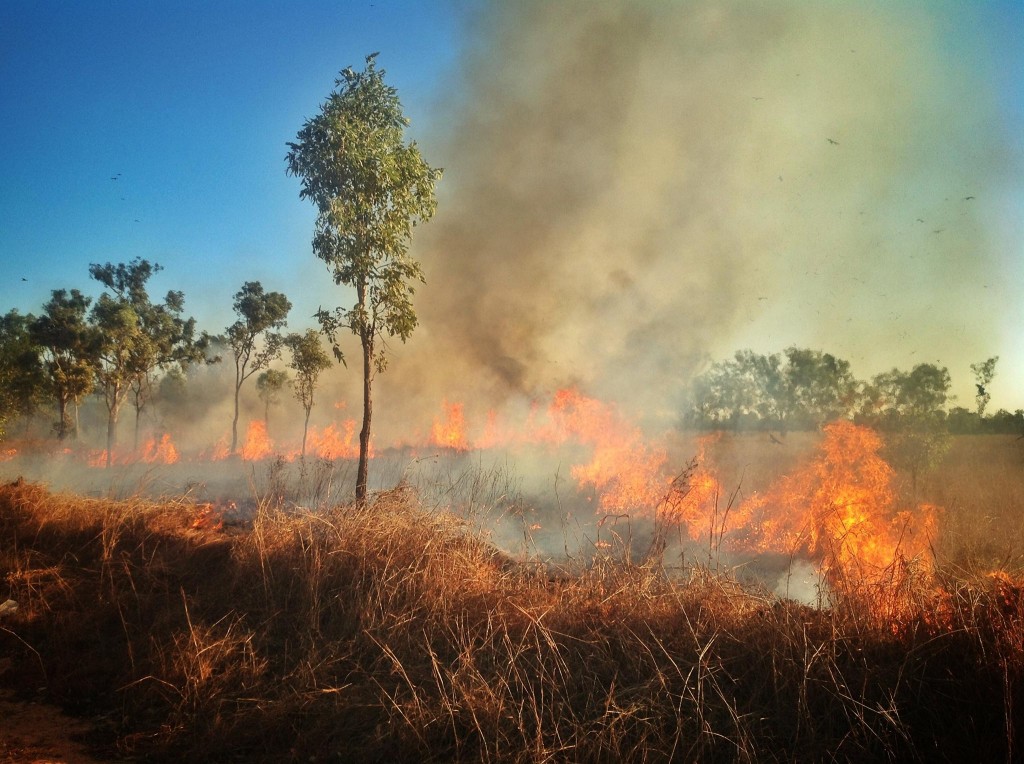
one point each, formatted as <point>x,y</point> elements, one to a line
<point>634,188</point>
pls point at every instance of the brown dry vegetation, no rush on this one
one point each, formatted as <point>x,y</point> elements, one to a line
<point>387,633</point>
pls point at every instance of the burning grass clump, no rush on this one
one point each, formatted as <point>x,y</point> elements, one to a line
<point>383,632</point>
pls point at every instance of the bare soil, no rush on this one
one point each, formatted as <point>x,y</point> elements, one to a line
<point>36,733</point>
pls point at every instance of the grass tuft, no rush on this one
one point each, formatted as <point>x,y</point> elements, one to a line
<point>386,632</point>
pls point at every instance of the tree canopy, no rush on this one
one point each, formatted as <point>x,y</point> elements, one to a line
<point>69,348</point>
<point>137,336</point>
<point>370,189</point>
<point>307,361</point>
<point>252,339</point>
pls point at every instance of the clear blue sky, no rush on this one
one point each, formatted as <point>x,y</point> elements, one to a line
<point>189,106</point>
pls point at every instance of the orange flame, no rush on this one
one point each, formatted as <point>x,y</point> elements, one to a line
<point>329,443</point>
<point>628,474</point>
<point>841,509</point>
<point>257,443</point>
<point>449,431</point>
<point>162,452</point>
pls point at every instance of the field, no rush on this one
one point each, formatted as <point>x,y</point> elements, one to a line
<point>400,631</point>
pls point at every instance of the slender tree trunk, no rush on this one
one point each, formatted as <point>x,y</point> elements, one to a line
<point>305,429</point>
<point>234,422</point>
<point>62,412</point>
<point>138,412</point>
<point>114,400</point>
<point>112,432</point>
<point>366,337</point>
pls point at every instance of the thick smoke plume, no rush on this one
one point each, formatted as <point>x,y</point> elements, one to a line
<point>632,188</point>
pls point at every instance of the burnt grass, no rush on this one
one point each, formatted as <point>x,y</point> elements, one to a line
<point>386,633</point>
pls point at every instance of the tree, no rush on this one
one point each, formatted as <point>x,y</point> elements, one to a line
<point>909,407</point>
<point>819,387</point>
<point>138,337</point>
<point>984,372</point>
<point>801,389</point>
<point>308,360</point>
<point>259,313</point>
<point>370,189</point>
<point>69,347</point>
<point>269,385</point>
<point>21,371</point>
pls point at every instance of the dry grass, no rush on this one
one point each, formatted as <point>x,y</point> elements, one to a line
<point>980,485</point>
<point>389,633</point>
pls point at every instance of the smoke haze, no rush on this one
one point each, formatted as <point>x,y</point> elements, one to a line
<point>632,189</point>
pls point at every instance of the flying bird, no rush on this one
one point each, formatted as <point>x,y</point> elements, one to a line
<point>968,198</point>
<point>24,279</point>
<point>834,143</point>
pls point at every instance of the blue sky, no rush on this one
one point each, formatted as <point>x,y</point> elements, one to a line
<point>189,105</point>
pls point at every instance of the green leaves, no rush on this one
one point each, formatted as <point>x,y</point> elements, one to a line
<point>370,189</point>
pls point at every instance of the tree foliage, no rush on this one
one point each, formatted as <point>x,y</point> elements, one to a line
<point>909,407</point>
<point>797,389</point>
<point>269,385</point>
<point>308,360</point>
<point>69,348</point>
<point>21,371</point>
<point>137,337</point>
<point>370,189</point>
<point>984,372</point>
<point>252,339</point>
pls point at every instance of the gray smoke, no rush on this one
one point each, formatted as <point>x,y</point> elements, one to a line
<point>632,188</point>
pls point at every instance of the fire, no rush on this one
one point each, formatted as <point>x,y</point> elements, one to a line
<point>162,452</point>
<point>153,451</point>
<point>628,473</point>
<point>449,431</point>
<point>697,497</point>
<point>330,443</point>
<point>841,510</point>
<point>257,443</point>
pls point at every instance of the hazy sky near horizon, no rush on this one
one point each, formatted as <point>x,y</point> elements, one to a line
<point>159,130</point>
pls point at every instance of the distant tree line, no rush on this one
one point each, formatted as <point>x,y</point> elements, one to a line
<point>124,348</point>
<point>800,389</point>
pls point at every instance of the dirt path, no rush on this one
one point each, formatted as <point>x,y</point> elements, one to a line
<point>33,733</point>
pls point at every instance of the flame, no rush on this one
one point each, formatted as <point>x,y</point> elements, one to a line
<point>695,500</point>
<point>841,510</point>
<point>628,473</point>
<point>162,452</point>
<point>257,443</point>
<point>449,430</point>
<point>330,443</point>
<point>7,454</point>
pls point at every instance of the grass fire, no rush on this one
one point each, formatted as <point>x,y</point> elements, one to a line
<point>642,605</point>
<point>672,421</point>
